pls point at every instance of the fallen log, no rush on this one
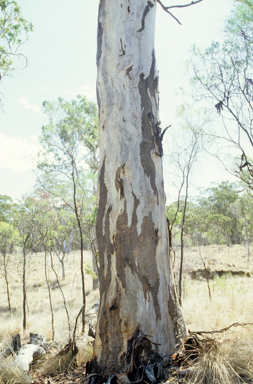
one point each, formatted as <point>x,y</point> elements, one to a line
<point>27,354</point>
<point>35,348</point>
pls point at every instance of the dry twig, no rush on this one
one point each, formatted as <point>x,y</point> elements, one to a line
<point>166,9</point>
<point>221,330</point>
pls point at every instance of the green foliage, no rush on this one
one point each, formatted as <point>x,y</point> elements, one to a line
<point>14,31</point>
<point>72,132</point>
<point>24,219</point>
<point>89,271</point>
<point>220,215</point>
<point>9,238</point>
<point>69,161</point>
<point>5,208</point>
<point>222,75</point>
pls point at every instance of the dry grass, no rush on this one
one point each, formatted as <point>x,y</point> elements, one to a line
<point>228,362</point>
<point>38,309</point>
<point>12,374</point>
<point>215,257</point>
<point>225,361</point>
<point>230,359</point>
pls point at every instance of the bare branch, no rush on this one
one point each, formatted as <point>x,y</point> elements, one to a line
<point>221,330</point>
<point>166,9</point>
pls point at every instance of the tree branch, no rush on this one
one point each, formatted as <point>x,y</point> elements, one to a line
<point>221,330</point>
<point>166,9</point>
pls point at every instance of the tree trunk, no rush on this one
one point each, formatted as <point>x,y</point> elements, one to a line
<point>24,289</point>
<point>62,267</point>
<point>49,290</point>
<point>93,241</point>
<point>7,282</point>
<point>137,294</point>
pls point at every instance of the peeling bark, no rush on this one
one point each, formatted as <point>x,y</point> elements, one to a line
<point>137,294</point>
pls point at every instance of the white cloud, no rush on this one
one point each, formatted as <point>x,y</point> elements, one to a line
<point>85,90</point>
<point>27,105</point>
<point>18,154</point>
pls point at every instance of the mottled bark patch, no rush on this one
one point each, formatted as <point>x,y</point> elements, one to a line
<point>178,324</point>
<point>146,11</point>
<point>119,182</point>
<point>103,233</point>
<point>126,241</point>
<point>101,208</point>
<point>138,252</point>
<point>99,34</point>
<point>146,86</point>
<point>147,268</point>
<point>109,318</point>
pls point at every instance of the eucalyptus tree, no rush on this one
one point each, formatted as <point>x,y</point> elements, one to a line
<point>246,216</point>
<point>9,239</point>
<point>14,31</point>
<point>25,221</point>
<point>222,76</point>
<point>137,293</point>
<point>6,208</point>
<point>69,157</point>
<point>61,243</point>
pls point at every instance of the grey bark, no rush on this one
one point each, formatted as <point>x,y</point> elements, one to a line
<point>137,292</point>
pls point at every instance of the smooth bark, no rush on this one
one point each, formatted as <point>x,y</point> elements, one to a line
<point>137,293</point>
<point>6,281</point>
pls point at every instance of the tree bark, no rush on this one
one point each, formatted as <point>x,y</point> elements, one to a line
<point>24,282</point>
<point>137,293</point>
<point>6,281</point>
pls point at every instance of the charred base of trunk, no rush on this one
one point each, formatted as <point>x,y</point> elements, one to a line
<point>140,364</point>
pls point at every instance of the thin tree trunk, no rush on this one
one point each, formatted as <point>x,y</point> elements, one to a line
<point>93,242</point>
<point>188,169</point>
<point>62,293</point>
<point>49,293</point>
<point>247,241</point>
<point>7,282</point>
<point>24,281</point>
<point>137,293</point>
<point>62,267</point>
<point>81,245</point>
<point>24,289</point>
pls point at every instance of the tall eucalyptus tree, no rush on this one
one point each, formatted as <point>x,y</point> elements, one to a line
<point>137,293</point>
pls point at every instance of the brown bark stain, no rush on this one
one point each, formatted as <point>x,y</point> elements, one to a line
<point>100,32</point>
<point>179,328</point>
<point>148,123</point>
<point>145,12</point>
<point>109,327</point>
<point>138,252</point>
<point>119,182</point>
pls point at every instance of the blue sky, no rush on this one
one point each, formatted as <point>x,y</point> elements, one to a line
<point>61,56</point>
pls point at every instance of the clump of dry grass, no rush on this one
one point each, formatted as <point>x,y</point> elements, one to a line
<point>10,373</point>
<point>225,361</point>
<point>60,362</point>
<point>85,353</point>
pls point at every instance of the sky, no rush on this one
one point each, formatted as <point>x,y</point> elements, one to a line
<point>61,55</point>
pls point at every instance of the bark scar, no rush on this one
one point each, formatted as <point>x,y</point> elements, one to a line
<point>158,137</point>
<point>146,11</point>
<point>122,49</point>
<point>128,70</point>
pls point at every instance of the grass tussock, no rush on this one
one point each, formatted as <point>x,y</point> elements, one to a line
<point>10,373</point>
<point>225,361</point>
<point>60,362</point>
<point>85,352</point>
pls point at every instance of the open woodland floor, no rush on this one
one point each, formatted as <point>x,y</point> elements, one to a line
<point>227,300</point>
